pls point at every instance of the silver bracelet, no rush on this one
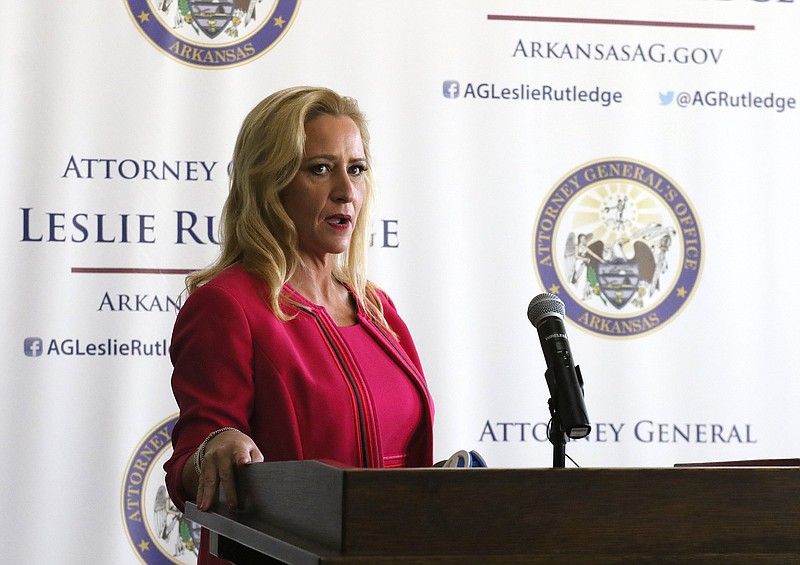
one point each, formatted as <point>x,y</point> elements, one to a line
<point>201,451</point>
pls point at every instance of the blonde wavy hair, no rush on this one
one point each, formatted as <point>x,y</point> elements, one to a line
<point>255,229</point>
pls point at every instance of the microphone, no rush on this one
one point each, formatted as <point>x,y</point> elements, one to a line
<point>546,312</point>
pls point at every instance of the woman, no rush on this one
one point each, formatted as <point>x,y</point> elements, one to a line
<point>284,350</point>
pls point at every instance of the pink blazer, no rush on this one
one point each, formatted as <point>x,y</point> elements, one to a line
<point>292,386</point>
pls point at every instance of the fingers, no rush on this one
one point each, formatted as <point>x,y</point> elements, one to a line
<point>234,449</point>
<point>207,485</point>
<point>256,456</point>
<point>242,458</point>
<point>215,471</point>
<point>227,476</point>
<point>228,480</point>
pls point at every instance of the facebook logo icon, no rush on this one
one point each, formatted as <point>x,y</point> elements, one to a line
<point>33,346</point>
<point>450,88</point>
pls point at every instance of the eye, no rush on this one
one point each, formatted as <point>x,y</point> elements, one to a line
<point>357,170</point>
<point>319,169</point>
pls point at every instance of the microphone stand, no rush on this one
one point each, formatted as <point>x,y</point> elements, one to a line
<point>554,434</point>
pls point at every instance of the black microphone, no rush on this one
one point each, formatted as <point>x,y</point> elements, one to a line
<point>546,312</point>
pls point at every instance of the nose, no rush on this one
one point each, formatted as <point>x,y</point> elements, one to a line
<point>343,189</point>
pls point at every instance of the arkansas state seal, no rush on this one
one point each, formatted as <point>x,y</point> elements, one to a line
<point>619,242</point>
<point>213,33</point>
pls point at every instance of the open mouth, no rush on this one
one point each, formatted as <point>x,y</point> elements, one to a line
<point>338,220</point>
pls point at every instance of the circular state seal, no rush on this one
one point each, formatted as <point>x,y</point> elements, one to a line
<point>156,529</point>
<point>619,242</point>
<point>213,33</point>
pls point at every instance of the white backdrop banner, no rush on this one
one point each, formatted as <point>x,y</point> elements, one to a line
<point>636,158</point>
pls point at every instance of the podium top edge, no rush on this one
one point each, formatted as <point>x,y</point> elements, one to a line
<point>334,467</point>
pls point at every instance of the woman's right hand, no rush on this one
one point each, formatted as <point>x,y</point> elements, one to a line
<point>224,452</point>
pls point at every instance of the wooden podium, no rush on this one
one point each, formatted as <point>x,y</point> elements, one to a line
<point>309,512</point>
